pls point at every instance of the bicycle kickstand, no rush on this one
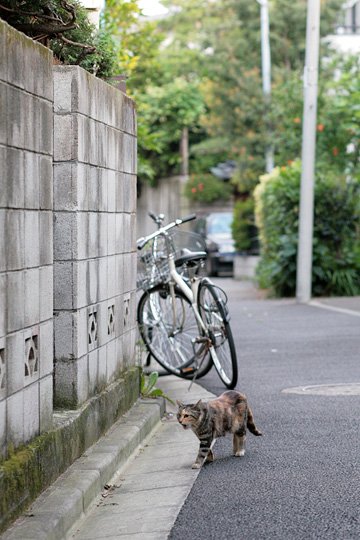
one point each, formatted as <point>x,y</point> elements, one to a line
<point>206,344</point>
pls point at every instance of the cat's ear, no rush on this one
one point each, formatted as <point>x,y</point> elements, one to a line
<point>179,404</point>
<point>198,404</point>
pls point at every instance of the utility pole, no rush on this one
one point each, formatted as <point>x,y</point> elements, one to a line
<point>306,216</point>
<point>266,71</point>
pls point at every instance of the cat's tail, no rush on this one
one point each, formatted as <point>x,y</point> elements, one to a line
<point>251,424</point>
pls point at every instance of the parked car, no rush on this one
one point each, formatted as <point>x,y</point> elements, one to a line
<point>216,230</point>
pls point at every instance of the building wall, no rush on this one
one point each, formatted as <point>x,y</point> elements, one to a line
<point>346,38</point>
<point>26,261</point>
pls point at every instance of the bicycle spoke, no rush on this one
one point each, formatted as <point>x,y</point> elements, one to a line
<point>223,350</point>
<point>169,341</point>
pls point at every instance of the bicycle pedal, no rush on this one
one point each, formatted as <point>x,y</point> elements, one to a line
<point>188,370</point>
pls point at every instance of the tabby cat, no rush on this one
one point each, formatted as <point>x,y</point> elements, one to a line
<point>229,413</point>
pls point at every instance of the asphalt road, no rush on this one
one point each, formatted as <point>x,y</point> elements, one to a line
<point>301,480</point>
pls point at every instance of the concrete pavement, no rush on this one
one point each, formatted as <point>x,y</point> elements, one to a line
<point>247,290</point>
<point>131,484</point>
<point>145,498</point>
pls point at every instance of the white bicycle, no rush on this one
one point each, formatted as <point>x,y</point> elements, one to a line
<point>183,318</point>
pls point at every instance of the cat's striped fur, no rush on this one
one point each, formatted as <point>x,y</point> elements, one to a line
<point>229,413</point>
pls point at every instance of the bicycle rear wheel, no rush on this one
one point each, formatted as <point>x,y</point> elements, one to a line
<point>168,337</point>
<point>214,313</point>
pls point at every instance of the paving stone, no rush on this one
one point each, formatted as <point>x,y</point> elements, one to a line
<point>106,522</point>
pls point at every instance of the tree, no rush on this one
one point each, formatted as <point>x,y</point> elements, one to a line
<point>137,41</point>
<point>338,116</point>
<point>164,112</point>
<point>213,48</point>
<point>167,96</point>
<point>338,141</point>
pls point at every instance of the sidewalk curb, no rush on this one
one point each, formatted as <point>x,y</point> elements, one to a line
<point>148,494</point>
<point>58,508</point>
<point>345,311</point>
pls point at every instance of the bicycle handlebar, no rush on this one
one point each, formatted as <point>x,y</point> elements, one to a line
<point>190,217</point>
<point>157,219</point>
<point>141,242</point>
<point>145,239</point>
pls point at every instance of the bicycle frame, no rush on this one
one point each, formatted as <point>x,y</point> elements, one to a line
<point>189,292</point>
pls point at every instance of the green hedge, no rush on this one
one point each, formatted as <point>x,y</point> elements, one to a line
<point>336,242</point>
<point>207,189</point>
<point>244,231</point>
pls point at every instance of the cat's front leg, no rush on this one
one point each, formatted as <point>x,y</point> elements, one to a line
<point>239,443</point>
<point>204,453</point>
<point>210,457</point>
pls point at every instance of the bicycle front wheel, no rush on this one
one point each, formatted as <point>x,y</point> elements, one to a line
<point>214,313</point>
<point>168,328</point>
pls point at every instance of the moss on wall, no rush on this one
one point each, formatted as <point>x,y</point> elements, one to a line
<point>32,468</point>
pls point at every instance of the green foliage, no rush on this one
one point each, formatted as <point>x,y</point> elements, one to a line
<point>138,40</point>
<point>147,387</point>
<point>288,30</point>
<point>213,48</point>
<point>206,153</point>
<point>338,137</point>
<point>220,42</point>
<point>64,27</point>
<point>336,243</point>
<point>163,112</point>
<point>243,226</point>
<point>207,188</point>
<point>338,131</point>
<point>286,116</point>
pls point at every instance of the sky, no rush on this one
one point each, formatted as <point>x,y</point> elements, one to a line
<point>152,7</point>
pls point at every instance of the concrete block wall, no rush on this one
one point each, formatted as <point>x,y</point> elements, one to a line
<point>166,198</point>
<point>94,234</point>
<point>26,262</point>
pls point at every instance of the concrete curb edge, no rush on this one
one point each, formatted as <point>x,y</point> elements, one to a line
<point>58,508</point>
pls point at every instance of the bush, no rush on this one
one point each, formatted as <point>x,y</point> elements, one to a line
<point>64,27</point>
<point>336,243</point>
<point>243,226</point>
<point>206,188</point>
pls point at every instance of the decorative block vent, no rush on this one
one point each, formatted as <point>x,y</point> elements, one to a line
<point>111,320</point>
<point>126,311</point>
<point>92,328</point>
<point>31,356</point>
<point>2,370</point>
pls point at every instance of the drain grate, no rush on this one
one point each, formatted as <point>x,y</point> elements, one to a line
<point>339,389</point>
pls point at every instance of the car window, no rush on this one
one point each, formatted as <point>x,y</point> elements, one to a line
<point>220,223</point>
<point>200,226</point>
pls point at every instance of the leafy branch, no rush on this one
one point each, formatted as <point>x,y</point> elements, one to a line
<point>147,387</point>
<point>64,27</point>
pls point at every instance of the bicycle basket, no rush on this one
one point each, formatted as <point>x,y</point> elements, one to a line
<point>152,265</point>
<point>187,240</point>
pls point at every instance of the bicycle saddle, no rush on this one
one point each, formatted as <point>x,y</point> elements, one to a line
<point>188,257</point>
